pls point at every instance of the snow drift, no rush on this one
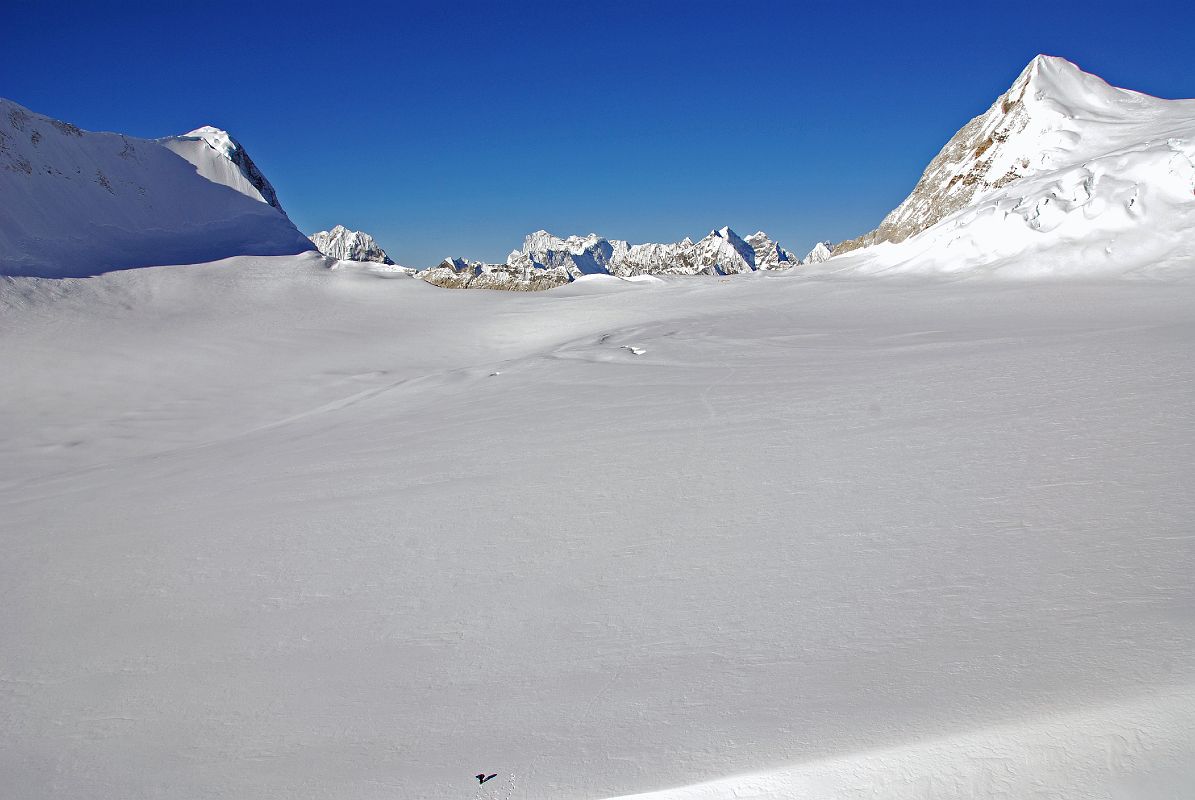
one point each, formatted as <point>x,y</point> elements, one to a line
<point>78,203</point>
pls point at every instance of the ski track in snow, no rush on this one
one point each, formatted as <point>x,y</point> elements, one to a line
<point>274,531</point>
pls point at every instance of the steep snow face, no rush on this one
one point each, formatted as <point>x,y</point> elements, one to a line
<point>822,251</point>
<point>345,245</point>
<point>1053,117</point>
<point>78,203</point>
<point>191,146</point>
<point>545,261</point>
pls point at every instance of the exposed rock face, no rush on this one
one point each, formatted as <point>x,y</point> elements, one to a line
<point>346,245</point>
<point>545,261</point>
<point>1020,134</point>
<point>654,258</point>
<point>460,273</point>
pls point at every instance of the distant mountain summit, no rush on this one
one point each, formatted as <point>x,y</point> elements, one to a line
<point>822,251</point>
<point>768,254</point>
<point>545,261</point>
<point>78,203</point>
<point>346,245</point>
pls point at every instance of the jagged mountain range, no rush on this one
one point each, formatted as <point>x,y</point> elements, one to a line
<point>1061,157</point>
<point>545,260</point>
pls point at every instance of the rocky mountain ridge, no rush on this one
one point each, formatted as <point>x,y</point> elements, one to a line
<point>545,260</point>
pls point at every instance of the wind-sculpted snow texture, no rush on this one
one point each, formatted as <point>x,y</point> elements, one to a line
<point>78,203</point>
<point>1063,174</point>
<point>272,530</point>
<point>546,261</point>
<point>345,245</point>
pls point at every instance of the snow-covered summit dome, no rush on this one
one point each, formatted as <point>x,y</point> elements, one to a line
<point>225,145</point>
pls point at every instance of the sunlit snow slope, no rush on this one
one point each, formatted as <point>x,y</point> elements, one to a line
<point>276,531</point>
<point>1063,175</point>
<point>79,203</point>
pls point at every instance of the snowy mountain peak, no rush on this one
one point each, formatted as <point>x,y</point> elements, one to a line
<point>80,203</point>
<point>1062,158</point>
<point>769,254</point>
<point>222,142</point>
<point>346,245</point>
<point>822,251</point>
<point>542,242</point>
<point>1056,77</point>
<point>1053,116</point>
<point>723,252</point>
<point>218,138</point>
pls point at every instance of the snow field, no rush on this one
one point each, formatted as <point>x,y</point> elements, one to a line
<point>275,530</point>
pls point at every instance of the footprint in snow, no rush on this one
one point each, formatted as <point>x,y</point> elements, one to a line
<point>638,351</point>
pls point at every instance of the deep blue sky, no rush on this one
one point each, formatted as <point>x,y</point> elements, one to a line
<point>456,128</point>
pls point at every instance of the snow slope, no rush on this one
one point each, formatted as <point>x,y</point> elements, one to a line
<point>79,203</point>
<point>277,531</point>
<point>1064,174</point>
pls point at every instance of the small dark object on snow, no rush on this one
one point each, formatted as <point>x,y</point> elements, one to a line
<point>482,778</point>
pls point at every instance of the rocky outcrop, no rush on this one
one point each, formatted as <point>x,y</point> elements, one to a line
<point>460,273</point>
